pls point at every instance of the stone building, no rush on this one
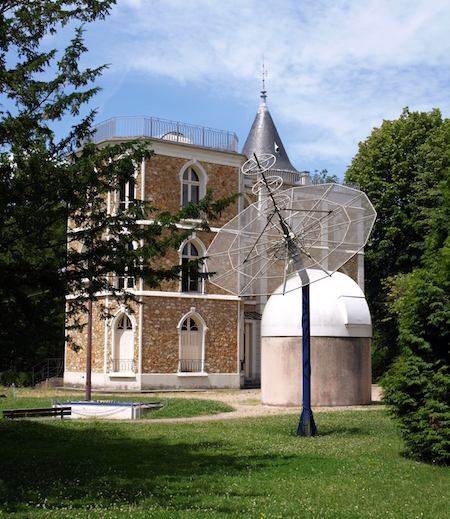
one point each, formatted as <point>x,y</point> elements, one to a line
<point>189,334</point>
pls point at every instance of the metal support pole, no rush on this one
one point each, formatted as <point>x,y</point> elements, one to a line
<point>89,351</point>
<point>306,426</point>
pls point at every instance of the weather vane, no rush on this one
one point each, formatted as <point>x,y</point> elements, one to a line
<point>263,74</point>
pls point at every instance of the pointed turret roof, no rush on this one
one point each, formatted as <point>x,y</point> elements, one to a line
<point>264,138</point>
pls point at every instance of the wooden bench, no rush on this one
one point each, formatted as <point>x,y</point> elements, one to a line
<point>37,412</point>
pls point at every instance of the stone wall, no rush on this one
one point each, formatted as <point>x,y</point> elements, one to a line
<point>173,258</point>
<point>77,345</point>
<point>76,357</point>
<point>160,349</point>
<point>351,268</point>
<point>163,185</point>
<point>161,315</point>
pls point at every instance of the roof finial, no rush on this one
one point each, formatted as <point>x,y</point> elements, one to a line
<point>263,75</point>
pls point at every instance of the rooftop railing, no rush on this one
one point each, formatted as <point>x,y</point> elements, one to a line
<point>153,128</point>
<point>290,178</point>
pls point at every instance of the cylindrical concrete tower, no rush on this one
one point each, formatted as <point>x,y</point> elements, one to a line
<point>341,331</point>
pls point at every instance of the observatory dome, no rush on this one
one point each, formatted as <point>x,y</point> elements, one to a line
<point>174,136</point>
<point>338,308</point>
<point>341,331</point>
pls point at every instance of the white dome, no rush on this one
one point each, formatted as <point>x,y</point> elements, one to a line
<point>338,308</point>
<point>174,136</point>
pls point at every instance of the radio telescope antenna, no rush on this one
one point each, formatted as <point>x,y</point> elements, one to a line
<point>284,233</point>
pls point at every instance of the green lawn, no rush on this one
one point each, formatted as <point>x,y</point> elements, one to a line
<point>173,407</point>
<point>253,467</point>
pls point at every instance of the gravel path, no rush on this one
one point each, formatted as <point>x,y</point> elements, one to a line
<point>247,403</point>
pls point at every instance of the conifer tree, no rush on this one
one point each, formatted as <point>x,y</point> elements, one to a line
<point>48,181</point>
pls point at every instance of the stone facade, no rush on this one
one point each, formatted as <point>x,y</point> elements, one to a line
<point>160,336</point>
<point>163,186</point>
<point>101,340</point>
<point>153,344</point>
<point>161,344</point>
<point>156,329</point>
<point>351,269</point>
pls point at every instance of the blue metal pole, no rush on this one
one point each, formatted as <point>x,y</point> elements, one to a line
<point>306,425</point>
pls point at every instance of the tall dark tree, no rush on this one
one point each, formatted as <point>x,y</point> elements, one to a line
<point>33,208</point>
<point>404,167</point>
<point>417,386</point>
<point>47,182</point>
<point>400,167</point>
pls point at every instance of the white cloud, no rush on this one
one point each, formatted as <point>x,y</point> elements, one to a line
<point>336,67</point>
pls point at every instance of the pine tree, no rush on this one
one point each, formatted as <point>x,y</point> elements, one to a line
<point>47,182</point>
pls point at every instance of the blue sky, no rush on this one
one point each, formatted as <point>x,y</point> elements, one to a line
<point>336,68</point>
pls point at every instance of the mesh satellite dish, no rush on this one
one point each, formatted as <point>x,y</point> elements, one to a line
<point>320,226</point>
<point>286,232</point>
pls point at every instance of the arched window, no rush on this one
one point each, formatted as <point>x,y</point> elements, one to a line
<point>190,191</point>
<point>192,330</point>
<point>127,195</point>
<point>122,360</point>
<point>190,280</point>
<point>126,281</point>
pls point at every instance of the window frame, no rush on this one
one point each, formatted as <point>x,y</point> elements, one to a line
<point>116,362</point>
<point>202,329</point>
<point>126,198</point>
<point>125,195</point>
<point>185,259</point>
<point>189,168</point>
<point>189,186</point>
<point>125,282</point>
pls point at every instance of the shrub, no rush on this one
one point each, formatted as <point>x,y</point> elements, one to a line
<point>18,378</point>
<point>417,393</point>
<point>417,387</point>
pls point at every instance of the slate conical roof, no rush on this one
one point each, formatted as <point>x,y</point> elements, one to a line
<point>264,138</point>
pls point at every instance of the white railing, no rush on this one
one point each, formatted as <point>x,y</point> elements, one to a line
<point>122,366</point>
<point>153,128</point>
<point>290,178</point>
<point>191,365</point>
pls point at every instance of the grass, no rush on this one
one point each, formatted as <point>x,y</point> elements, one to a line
<point>173,407</point>
<point>252,467</point>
